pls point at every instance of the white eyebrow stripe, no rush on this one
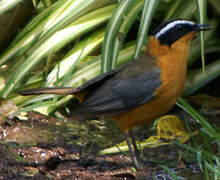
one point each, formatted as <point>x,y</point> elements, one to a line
<point>172,24</point>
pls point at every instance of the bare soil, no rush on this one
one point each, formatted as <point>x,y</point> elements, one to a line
<point>46,148</point>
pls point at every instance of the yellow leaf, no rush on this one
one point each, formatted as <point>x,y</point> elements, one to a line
<point>169,128</point>
<point>152,142</point>
<point>115,149</point>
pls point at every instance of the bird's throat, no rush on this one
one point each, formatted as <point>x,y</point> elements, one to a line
<point>172,62</point>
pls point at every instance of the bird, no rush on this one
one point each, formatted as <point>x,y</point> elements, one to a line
<point>142,90</point>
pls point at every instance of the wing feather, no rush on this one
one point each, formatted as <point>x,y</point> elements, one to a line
<point>117,96</point>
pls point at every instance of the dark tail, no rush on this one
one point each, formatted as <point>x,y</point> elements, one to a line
<point>80,114</point>
<point>37,91</point>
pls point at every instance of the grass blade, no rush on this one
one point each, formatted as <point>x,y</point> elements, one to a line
<point>202,6</point>
<point>196,79</point>
<point>111,32</point>
<point>131,16</point>
<point>6,5</point>
<point>55,42</point>
<point>147,14</point>
<point>208,128</point>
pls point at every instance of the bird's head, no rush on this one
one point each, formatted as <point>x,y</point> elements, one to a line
<point>171,31</point>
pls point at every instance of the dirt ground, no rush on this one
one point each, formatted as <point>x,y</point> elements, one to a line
<point>46,148</point>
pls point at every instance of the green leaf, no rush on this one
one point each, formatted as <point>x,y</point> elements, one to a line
<point>197,79</point>
<point>111,32</point>
<point>52,19</point>
<point>8,4</point>
<point>147,14</point>
<point>80,51</point>
<point>202,6</point>
<point>54,43</point>
<point>131,16</point>
<point>208,128</point>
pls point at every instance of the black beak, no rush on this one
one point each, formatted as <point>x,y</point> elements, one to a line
<point>202,27</point>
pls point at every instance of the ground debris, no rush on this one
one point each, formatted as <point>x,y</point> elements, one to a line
<point>61,158</point>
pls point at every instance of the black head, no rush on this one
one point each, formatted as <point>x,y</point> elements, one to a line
<point>170,31</point>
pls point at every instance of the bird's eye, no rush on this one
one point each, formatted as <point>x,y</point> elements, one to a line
<point>179,26</point>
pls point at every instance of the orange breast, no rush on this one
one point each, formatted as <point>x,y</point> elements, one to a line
<point>172,62</point>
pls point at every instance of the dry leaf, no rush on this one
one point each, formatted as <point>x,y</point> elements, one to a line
<point>169,128</point>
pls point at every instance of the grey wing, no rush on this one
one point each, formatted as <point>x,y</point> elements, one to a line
<point>119,95</point>
<point>136,91</point>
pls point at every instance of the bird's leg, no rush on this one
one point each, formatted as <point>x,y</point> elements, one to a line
<point>134,159</point>
<point>136,151</point>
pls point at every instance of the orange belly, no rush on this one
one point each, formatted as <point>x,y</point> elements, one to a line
<point>145,113</point>
<point>173,75</point>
